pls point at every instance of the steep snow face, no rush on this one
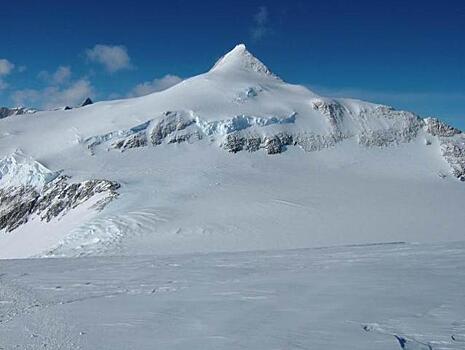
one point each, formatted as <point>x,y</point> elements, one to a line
<point>171,153</point>
<point>18,169</point>
<point>239,59</point>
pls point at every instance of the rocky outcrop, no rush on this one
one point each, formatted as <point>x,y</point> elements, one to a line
<point>242,132</point>
<point>272,144</point>
<point>370,126</point>
<point>180,126</point>
<point>332,110</point>
<point>19,204</point>
<point>436,127</point>
<point>132,141</point>
<point>382,138</point>
<point>311,142</point>
<point>169,123</point>
<point>16,205</point>
<point>452,144</point>
<point>453,151</point>
<point>277,143</point>
<point>237,142</point>
<point>403,127</point>
<point>87,102</point>
<point>8,112</point>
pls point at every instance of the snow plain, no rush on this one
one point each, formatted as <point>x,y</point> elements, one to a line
<point>352,297</point>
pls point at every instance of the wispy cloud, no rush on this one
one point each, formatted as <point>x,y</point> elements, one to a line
<point>261,24</point>
<point>54,96</point>
<point>6,67</point>
<point>157,84</point>
<point>113,58</point>
<point>60,76</point>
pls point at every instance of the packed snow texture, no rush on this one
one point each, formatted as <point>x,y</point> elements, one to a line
<point>193,177</point>
<point>379,297</point>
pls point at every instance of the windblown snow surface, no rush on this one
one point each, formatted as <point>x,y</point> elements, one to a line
<point>372,297</point>
<point>196,213</point>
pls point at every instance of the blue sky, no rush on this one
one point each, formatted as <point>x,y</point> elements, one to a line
<point>409,54</point>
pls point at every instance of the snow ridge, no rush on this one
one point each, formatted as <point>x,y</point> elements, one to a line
<point>240,58</point>
<point>7,112</point>
<point>18,169</point>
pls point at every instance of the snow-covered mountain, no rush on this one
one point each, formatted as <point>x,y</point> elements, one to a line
<point>8,112</point>
<point>233,159</point>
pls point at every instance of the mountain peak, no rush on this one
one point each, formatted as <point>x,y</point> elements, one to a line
<point>87,102</point>
<point>239,58</point>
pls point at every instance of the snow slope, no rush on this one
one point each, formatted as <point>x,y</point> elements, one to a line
<point>342,298</point>
<point>233,159</point>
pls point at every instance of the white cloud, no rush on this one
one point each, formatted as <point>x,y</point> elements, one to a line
<point>6,67</point>
<point>59,77</point>
<point>113,58</point>
<point>261,24</point>
<point>54,96</point>
<point>159,84</point>
<point>3,85</point>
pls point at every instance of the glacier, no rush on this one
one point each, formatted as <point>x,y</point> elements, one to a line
<point>232,159</point>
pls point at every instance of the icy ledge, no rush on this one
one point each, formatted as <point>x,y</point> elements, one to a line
<point>378,126</point>
<point>182,126</point>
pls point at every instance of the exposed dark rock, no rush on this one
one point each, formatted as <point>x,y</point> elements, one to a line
<point>19,204</point>
<point>180,138</point>
<point>170,123</point>
<point>277,143</point>
<point>405,128</point>
<point>8,112</point>
<point>253,143</point>
<point>234,143</point>
<point>436,127</point>
<point>237,142</point>
<point>273,145</point>
<point>240,133</point>
<point>87,102</point>
<point>333,110</point>
<point>453,151</point>
<point>132,141</point>
<point>313,142</point>
<point>16,205</point>
<point>392,136</point>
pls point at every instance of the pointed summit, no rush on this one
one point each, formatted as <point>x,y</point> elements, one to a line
<point>87,102</point>
<point>240,58</point>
